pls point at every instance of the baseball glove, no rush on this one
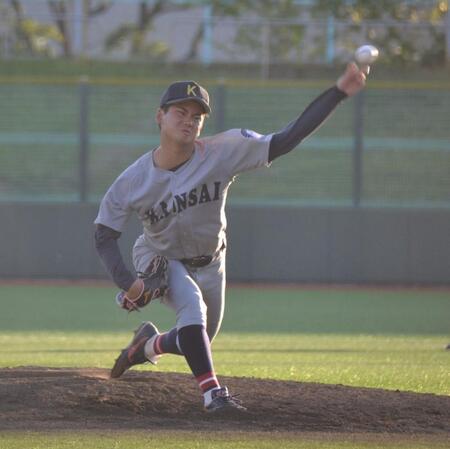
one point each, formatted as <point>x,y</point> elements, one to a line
<point>149,285</point>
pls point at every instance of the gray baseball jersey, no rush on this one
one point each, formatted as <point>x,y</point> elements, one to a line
<point>183,211</point>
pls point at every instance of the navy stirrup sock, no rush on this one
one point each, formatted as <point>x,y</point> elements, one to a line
<point>194,342</point>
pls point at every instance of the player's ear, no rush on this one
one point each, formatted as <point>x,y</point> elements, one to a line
<point>200,128</point>
<point>158,116</point>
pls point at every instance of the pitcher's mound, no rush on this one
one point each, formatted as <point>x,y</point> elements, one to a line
<point>33,398</point>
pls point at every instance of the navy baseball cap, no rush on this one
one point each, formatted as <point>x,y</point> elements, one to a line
<point>186,90</point>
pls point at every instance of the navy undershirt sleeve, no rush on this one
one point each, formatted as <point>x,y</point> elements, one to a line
<point>312,117</point>
<point>109,252</point>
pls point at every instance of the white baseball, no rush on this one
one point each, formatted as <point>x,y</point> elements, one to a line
<point>367,54</point>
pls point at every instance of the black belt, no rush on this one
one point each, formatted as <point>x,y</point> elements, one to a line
<point>197,262</point>
<point>202,261</point>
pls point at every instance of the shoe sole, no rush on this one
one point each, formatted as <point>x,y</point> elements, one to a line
<point>226,409</point>
<point>120,365</point>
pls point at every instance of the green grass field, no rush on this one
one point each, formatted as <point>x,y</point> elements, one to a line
<point>392,339</point>
<point>211,440</point>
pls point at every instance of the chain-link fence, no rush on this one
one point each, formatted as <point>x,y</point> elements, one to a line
<point>390,146</point>
<point>195,32</point>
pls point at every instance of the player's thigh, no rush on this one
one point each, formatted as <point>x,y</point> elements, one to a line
<point>184,296</point>
<point>212,283</point>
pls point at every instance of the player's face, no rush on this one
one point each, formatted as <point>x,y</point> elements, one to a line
<point>182,122</point>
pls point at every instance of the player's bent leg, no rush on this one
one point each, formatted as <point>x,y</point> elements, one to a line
<point>134,353</point>
<point>190,338</point>
<point>211,280</point>
<point>185,297</point>
<point>196,347</point>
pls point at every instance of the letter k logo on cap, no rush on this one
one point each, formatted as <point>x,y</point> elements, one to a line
<point>190,90</point>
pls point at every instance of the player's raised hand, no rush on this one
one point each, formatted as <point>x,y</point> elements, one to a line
<point>353,79</point>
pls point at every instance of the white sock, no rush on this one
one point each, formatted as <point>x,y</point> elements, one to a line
<point>207,397</point>
<point>149,350</point>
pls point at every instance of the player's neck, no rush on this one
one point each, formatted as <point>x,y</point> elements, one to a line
<point>168,157</point>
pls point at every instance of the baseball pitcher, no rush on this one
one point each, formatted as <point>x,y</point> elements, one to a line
<point>179,190</point>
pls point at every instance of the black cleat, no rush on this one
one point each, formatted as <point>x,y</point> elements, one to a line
<point>222,401</point>
<point>134,354</point>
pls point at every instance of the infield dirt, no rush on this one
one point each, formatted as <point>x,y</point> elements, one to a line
<point>45,399</point>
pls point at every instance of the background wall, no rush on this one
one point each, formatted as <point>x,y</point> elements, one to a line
<point>330,245</point>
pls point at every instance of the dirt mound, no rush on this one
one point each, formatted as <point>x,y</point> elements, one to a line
<point>45,399</point>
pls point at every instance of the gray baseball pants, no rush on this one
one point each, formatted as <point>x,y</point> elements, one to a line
<point>197,295</point>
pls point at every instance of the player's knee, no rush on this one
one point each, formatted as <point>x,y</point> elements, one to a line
<point>190,314</point>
